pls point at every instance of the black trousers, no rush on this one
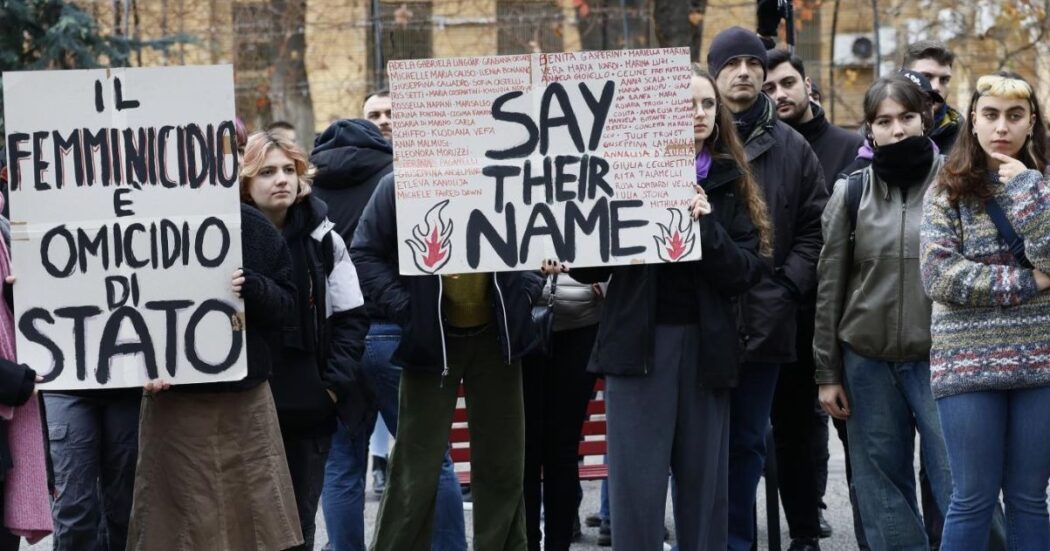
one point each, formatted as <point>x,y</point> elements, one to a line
<point>556,389</point>
<point>800,434</point>
<point>8,541</point>
<point>307,453</point>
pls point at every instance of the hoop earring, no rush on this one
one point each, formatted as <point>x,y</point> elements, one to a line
<point>714,136</point>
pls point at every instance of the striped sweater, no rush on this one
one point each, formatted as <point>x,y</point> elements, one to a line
<point>990,325</point>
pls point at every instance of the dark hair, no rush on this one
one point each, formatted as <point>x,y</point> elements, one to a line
<point>775,57</point>
<point>279,125</point>
<point>928,49</point>
<point>380,93</point>
<point>727,145</point>
<point>964,174</point>
<point>901,90</point>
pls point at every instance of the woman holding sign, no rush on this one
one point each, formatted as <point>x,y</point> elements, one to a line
<point>212,472</point>
<point>667,347</point>
<point>985,257</point>
<point>316,361</point>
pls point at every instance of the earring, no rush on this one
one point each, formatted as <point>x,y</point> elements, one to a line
<point>714,135</point>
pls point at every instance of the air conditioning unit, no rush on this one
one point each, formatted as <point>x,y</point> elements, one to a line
<point>858,49</point>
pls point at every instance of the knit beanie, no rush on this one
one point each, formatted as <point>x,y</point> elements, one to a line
<point>734,42</point>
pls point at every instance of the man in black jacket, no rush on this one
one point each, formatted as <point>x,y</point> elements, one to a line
<point>351,157</point>
<point>800,426</point>
<point>793,183</point>
<point>471,328</point>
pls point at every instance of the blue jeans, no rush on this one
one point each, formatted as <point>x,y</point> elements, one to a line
<point>750,405</point>
<point>94,448</point>
<point>998,440</point>
<point>343,497</point>
<point>889,402</point>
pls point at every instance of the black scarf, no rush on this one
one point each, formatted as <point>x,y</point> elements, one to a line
<point>815,127</point>
<point>756,115</point>
<point>905,163</point>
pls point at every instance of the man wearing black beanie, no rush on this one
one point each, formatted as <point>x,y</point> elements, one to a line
<point>791,177</point>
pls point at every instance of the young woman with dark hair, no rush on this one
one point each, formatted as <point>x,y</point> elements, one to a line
<point>662,347</point>
<point>985,259</point>
<point>872,338</point>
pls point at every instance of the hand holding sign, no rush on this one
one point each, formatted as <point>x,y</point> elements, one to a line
<point>699,205</point>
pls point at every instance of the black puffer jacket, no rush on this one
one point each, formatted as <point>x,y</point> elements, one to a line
<point>414,302</point>
<point>793,181</point>
<point>729,267</point>
<point>351,157</point>
<point>323,343</point>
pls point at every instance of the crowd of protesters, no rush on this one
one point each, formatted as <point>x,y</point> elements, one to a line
<point>893,279</point>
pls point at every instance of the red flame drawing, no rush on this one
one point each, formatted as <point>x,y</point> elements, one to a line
<point>676,240</point>
<point>431,241</point>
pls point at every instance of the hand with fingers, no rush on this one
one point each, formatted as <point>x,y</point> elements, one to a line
<point>1008,166</point>
<point>834,401</point>
<point>549,266</point>
<point>238,282</point>
<point>699,205</point>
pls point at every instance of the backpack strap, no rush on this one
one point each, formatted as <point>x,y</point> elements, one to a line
<point>854,191</point>
<point>1006,231</point>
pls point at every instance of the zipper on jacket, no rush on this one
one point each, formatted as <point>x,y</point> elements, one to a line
<point>503,307</point>
<point>900,280</point>
<point>441,326</point>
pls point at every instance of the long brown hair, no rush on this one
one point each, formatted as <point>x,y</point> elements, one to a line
<point>726,145</point>
<point>964,174</point>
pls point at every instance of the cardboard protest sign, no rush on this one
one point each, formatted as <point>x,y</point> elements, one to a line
<point>501,162</point>
<point>125,216</point>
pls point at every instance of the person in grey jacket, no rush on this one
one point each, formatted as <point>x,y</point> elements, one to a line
<point>872,337</point>
<point>556,388</point>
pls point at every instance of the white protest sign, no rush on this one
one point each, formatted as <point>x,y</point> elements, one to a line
<point>501,162</point>
<point>125,216</point>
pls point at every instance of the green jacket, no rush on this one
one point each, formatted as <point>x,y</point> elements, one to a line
<point>869,292</point>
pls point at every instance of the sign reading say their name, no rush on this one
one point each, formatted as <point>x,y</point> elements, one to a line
<point>501,162</point>
<point>125,217</point>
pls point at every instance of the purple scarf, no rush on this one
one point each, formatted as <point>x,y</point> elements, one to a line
<point>703,164</point>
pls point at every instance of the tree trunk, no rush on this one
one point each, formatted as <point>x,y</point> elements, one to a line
<point>290,98</point>
<point>673,27</point>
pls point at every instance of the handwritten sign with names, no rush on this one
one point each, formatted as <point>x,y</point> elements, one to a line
<point>501,162</point>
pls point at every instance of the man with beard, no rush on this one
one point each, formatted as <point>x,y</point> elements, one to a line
<point>800,427</point>
<point>933,60</point>
<point>793,185</point>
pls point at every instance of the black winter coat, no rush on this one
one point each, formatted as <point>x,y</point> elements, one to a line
<point>319,352</point>
<point>730,265</point>
<point>793,181</point>
<point>835,147</point>
<point>16,386</point>
<point>351,157</point>
<point>414,302</point>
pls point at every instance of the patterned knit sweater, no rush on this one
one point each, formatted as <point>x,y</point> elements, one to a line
<point>990,325</point>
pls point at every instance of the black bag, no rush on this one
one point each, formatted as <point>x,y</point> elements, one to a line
<point>543,321</point>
